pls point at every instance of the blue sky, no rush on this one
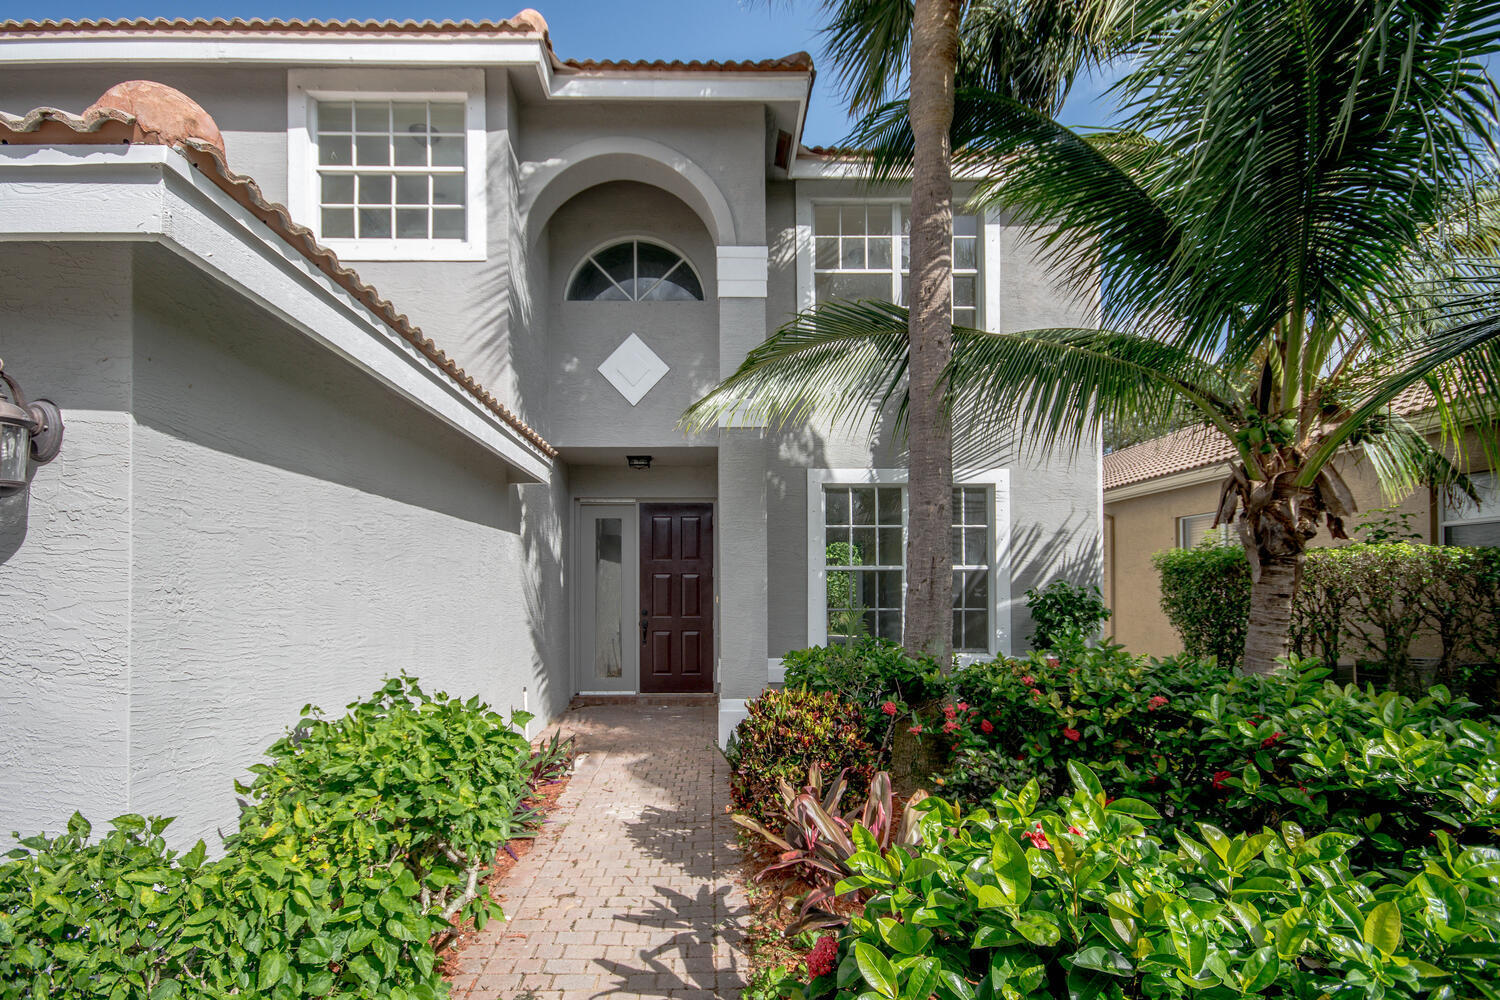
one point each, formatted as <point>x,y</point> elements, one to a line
<point>581,29</point>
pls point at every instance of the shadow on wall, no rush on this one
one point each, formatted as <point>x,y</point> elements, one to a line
<point>548,616</point>
<point>213,370</point>
<point>15,516</point>
<point>1041,554</point>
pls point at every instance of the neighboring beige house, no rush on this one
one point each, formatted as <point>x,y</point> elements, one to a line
<point>1162,493</point>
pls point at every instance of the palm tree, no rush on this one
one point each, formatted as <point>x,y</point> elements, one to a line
<point>1293,235</point>
<point>1028,49</point>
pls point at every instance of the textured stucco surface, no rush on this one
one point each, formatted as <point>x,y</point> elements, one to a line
<point>285,532</point>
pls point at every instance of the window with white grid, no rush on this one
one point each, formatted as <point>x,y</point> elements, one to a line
<point>862,250</point>
<point>392,170</point>
<point>864,547</point>
<point>972,508</point>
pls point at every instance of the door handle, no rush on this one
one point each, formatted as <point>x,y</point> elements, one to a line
<point>644,626</point>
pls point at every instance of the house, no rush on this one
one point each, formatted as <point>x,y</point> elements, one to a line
<point>371,341</point>
<point>1163,493</point>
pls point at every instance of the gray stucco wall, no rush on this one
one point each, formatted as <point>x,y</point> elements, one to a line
<point>584,409</point>
<point>286,532</point>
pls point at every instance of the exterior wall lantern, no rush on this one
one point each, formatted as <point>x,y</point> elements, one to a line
<point>638,462</point>
<point>28,432</point>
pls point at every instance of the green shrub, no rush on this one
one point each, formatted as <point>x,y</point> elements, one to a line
<point>1080,900</point>
<point>1374,603</point>
<point>785,735</point>
<point>362,836</point>
<point>869,674</point>
<point>1205,593</point>
<point>1062,612</point>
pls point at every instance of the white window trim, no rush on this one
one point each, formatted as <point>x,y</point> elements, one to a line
<point>1000,572</point>
<point>1483,515</point>
<point>987,297</point>
<point>306,87</point>
<point>1182,519</point>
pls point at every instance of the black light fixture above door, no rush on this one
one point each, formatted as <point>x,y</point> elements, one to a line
<point>638,461</point>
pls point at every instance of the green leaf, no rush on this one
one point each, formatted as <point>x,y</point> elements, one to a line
<point>273,969</point>
<point>1383,928</point>
<point>1040,927</point>
<point>1101,959</point>
<point>876,969</point>
<point>904,938</point>
<point>1084,778</point>
<point>1011,868</point>
<point>167,989</point>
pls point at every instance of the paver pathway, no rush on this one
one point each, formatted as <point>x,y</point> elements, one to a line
<point>629,889</point>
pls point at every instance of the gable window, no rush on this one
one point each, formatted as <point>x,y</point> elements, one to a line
<point>388,175</point>
<point>862,250</point>
<point>635,271</point>
<point>1466,523</point>
<point>1195,529</point>
<point>857,556</point>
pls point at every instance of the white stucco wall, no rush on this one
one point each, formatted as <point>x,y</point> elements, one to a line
<point>288,532</point>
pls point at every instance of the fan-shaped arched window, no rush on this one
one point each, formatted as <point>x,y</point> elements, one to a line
<point>635,271</point>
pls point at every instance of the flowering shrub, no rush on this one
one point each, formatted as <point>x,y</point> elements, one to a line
<point>361,838</point>
<point>785,735</point>
<point>874,675</point>
<point>1082,900</point>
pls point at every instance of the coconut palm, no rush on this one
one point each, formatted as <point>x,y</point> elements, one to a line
<point>1027,49</point>
<point>1293,235</point>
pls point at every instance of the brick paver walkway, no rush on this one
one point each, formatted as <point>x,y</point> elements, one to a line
<point>629,889</point>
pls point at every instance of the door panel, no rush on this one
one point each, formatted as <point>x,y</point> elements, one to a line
<point>677,582</point>
<point>607,654</point>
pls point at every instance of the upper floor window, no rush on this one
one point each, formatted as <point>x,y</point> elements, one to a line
<point>635,271</point>
<point>862,250</point>
<point>389,175</point>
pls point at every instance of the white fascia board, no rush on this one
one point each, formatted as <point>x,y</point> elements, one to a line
<point>313,50</point>
<point>1162,484</point>
<point>152,194</point>
<point>639,85</point>
<point>809,168</point>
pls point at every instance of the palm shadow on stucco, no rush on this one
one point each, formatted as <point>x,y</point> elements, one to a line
<point>15,517</point>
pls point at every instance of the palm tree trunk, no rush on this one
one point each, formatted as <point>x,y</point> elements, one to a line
<point>929,560</point>
<point>1279,521</point>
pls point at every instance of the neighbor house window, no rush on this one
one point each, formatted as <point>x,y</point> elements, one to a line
<point>862,250</point>
<point>863,545</point>
<point>1195,529</point>
<point>389,175</point>
<point>1465,522</point>
<point>635,271</point>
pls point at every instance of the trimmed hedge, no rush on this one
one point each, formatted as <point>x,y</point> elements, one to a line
<point>1379,604</point>
<point>361,837</point>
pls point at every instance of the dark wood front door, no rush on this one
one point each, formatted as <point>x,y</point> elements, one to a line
<point>677,597</point>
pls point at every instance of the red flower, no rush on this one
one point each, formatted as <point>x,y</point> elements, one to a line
<point>821,960</point>
<point>1075,831</point>
<point>889,708</point>
<point>1271,741</point>
<point>1020,757</point>
<point>950,726</point>
<point>963,706</point>
<point>1070,733</point>
<point>1108,799</point>
<point>1157,702</point>
<point>1028,680</point>
<point>1035,693</point>
<point>986,727</point>
<point>916,729</point>
<point>1220,777</point>
<point>1038,838</point>
<point>1053,661</point>
<point>948,711</point>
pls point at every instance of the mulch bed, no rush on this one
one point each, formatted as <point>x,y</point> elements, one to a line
<point>509,855</point>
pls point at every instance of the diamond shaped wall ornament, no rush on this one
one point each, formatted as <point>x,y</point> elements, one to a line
<point>633,369</point>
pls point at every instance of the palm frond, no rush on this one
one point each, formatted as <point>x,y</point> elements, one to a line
<point>869,42</point>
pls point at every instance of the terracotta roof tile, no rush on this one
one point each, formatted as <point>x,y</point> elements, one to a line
<point>1179,451</point>
<point>797,62</point>
<point>49,126</point>
<point>527,22</point>
<point>1197,447</point>
<point>218,25</point>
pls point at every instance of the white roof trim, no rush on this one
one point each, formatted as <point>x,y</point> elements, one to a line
<point>152,194</point>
